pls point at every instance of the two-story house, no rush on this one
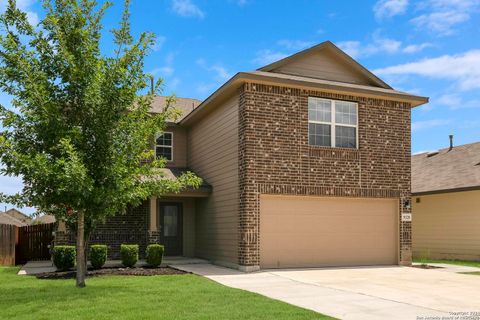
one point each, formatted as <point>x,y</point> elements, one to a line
<point>306,163</point>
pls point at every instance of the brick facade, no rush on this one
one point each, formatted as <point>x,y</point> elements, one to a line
<point>275,157</point>
<point>130,228</point>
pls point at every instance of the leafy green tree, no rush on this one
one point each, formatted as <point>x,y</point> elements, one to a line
<point>79,133</point>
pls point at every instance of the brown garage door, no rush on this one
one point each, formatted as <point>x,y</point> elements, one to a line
<point>297,231</point>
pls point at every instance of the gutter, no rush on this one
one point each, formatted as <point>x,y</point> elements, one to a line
<point>297,81</point>
<point>451,190</point>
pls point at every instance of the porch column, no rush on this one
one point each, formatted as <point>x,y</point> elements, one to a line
<point>153,215</point>
<point>154,235</point>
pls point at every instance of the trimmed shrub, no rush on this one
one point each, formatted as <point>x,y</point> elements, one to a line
<point>64,257</point>
<point>98,255</point>
<point>154,254</point>
<point>129,254</point>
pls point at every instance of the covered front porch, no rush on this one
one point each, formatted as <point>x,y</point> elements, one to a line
<point>172,218</point>
<point>168,220</point>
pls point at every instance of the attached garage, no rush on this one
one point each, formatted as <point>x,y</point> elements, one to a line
<point>303,231</point>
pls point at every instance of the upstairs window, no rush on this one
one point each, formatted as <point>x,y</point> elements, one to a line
<point>332,123</point>
<point>164,146</point>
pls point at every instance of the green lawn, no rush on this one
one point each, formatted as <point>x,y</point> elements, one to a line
<point>128,297</point>
<point>456,262</point>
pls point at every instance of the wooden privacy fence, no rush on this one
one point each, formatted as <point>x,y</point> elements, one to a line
<point>8,239</point>
<point>21,244</point>
<point>34,242</point>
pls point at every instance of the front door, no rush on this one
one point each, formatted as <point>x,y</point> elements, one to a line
<point>171,225</point>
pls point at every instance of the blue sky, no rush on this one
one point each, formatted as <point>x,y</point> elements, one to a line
<point>430,48</point>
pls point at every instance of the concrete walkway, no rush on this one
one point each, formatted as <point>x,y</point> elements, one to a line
<point>37,267</point>
<point>359,293</point>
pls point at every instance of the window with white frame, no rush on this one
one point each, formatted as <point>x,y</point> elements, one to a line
<point>164,146</point>
<point>332,123</point>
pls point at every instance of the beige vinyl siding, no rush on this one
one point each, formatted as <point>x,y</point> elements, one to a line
<point>213,154</point>
<point>179,146</point>
<point>324,65</point>
<point>447,226</point>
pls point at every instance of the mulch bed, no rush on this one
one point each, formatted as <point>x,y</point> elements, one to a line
<point>140,271</point>
<point>426,266</point>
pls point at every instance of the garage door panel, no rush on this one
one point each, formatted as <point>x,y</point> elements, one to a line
<point>312,231</point>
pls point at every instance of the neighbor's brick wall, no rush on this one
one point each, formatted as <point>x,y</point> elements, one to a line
<point>275,157</point>
<point>131,228</point>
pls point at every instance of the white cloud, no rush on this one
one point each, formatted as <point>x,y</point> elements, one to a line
<point>186,8</point>
<point>352,48</point>
<point>10,185</point>
<point>267,56</point>
<point>450,100</point>
<point>387,45</point>
<point>204,89</point>
<point>165,71</point>
<point>462,68</point>
<point>25,6</point>
<point>443,16</point>
<point>421,151</point>
<point>32,17</point>
<point>220,72</point>
<point>173,84</point>
<point>389,8</point>
<point>427,124</point>
<point>454,101</point>
<point>413,48</point>
<point>295,44</point>
<point>379,45</point>
<point>440,22</point>
<point>159,42</point>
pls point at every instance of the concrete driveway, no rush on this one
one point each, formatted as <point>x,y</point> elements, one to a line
<point>360,293</point>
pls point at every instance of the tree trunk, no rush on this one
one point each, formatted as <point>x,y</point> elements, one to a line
<point>81,265</point>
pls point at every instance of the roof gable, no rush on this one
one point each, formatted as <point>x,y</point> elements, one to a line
<point>326,61</point>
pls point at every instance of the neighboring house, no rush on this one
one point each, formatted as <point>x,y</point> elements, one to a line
<point>44,219</point>
<point>446,203</point>
<point>306,163</point>
<point>7,219</point>
<point>18,215</point>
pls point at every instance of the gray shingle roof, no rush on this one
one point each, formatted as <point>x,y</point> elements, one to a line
<point>186,105</point>
<point>6,219</point>
<point>458,168</point>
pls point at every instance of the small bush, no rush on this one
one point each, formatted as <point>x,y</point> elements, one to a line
<point>129,254</point>
<point>154,254</point>
<point>64,257</point>
<point>98,255</point>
